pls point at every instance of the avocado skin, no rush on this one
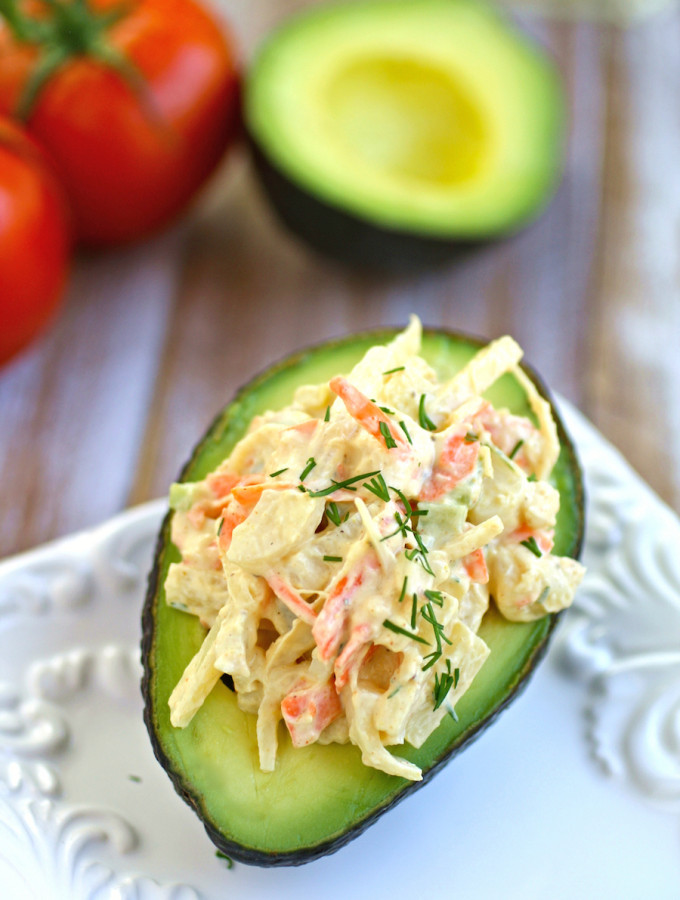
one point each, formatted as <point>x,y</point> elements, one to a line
<point>366,240</point>
<point>254,856</point>
<point>348,239</point>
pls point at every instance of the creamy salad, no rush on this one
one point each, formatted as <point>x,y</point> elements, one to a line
<point>343,556</point>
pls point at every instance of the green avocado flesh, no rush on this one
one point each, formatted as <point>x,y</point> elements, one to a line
<point>436,118</point>
<point>319,797</point>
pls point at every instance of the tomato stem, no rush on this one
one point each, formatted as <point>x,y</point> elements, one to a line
<point>70,29</point>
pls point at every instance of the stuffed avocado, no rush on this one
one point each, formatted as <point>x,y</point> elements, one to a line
<point>389,133</point>
<point>320,795</point>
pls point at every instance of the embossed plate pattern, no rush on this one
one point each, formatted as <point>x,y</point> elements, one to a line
<point>575,792</point>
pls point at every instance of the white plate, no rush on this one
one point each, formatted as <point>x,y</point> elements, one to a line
<point>574,792</point>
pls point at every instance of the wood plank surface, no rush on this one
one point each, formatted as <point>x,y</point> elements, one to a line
<point>153,341</point>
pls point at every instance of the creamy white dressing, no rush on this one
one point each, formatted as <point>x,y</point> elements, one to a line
<point>344,555</point>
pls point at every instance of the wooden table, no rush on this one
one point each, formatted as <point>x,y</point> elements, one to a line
<point>102,412</point>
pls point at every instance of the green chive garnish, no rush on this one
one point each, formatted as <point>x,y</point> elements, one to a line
<point>378,487</point>
<point>333,513</point>
<point>229,861</point>
<point>470,438</point>
<point>407,506</point>
<point>396,369</point>
<point>435,597</point>
<point>278,472</point>
<point>442,685</point>
<point>425,421</point>
<point>311,463</point>
<point>403,589</point>
<point>332,559</point>
<point>403,427</point>
<point>327,417</point>
<point>390,443</point>
<point>420,557</point>
<point>401,527</point>
<point>397,629</point>
<point>338,485</point>
<point>431,659</point>
<point>515,449</point>
<point>414,610</point>
<point>531,544</point>
<point>441,688</point>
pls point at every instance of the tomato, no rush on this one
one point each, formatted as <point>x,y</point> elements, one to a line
<point>137,114</point>
<point>34,240</point>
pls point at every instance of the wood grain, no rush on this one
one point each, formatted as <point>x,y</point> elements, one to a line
<point>635,333</point>
<point>153,341</point>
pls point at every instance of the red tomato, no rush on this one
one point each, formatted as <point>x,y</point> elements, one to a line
<point>135,137</point>
<point>34,240</point>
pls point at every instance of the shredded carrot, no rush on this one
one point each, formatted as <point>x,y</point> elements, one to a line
<point>367,413</point>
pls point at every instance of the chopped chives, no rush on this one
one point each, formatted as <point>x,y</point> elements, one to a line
<point>278,472</point>
<point>407,506</point>
<point>338,485</point>
<point>414,610</point>
<point>420,557</point>
<point>397,629</point>
<point>332,559</point>
<point>311,464</point>
<point>531,545</point>
<point>403,589</point>
<point>333,513</point>
<point>378,487</point>
<point>470,438</point>
<point>425,421</point>
<point>401,527</point>
<point>515,450</point>
<point>443,684</point>
<point>431,660</point>
<point>435,597</point>
<point>327,417</point>
<point>396,369</point>
<point>390,443</point>
<point>403,427</point>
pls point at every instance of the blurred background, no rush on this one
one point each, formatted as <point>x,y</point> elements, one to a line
<point>102,409</point>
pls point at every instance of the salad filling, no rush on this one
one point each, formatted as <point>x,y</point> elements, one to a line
<point>343,556</point>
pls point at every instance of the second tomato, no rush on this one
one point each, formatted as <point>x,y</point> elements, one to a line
<point>136,108</point>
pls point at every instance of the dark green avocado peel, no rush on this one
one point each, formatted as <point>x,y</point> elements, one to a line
<point>392,134</point>
<point>319,797</point>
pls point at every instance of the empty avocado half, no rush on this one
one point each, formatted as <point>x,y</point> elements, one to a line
<point>389,133</point>
<point>320,796</point>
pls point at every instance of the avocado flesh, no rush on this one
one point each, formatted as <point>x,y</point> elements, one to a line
<point>319,797</point>
<point>436,118</point>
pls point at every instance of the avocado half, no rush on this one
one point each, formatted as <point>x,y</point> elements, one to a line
<point>319,797</point>
<point>390,133</point>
